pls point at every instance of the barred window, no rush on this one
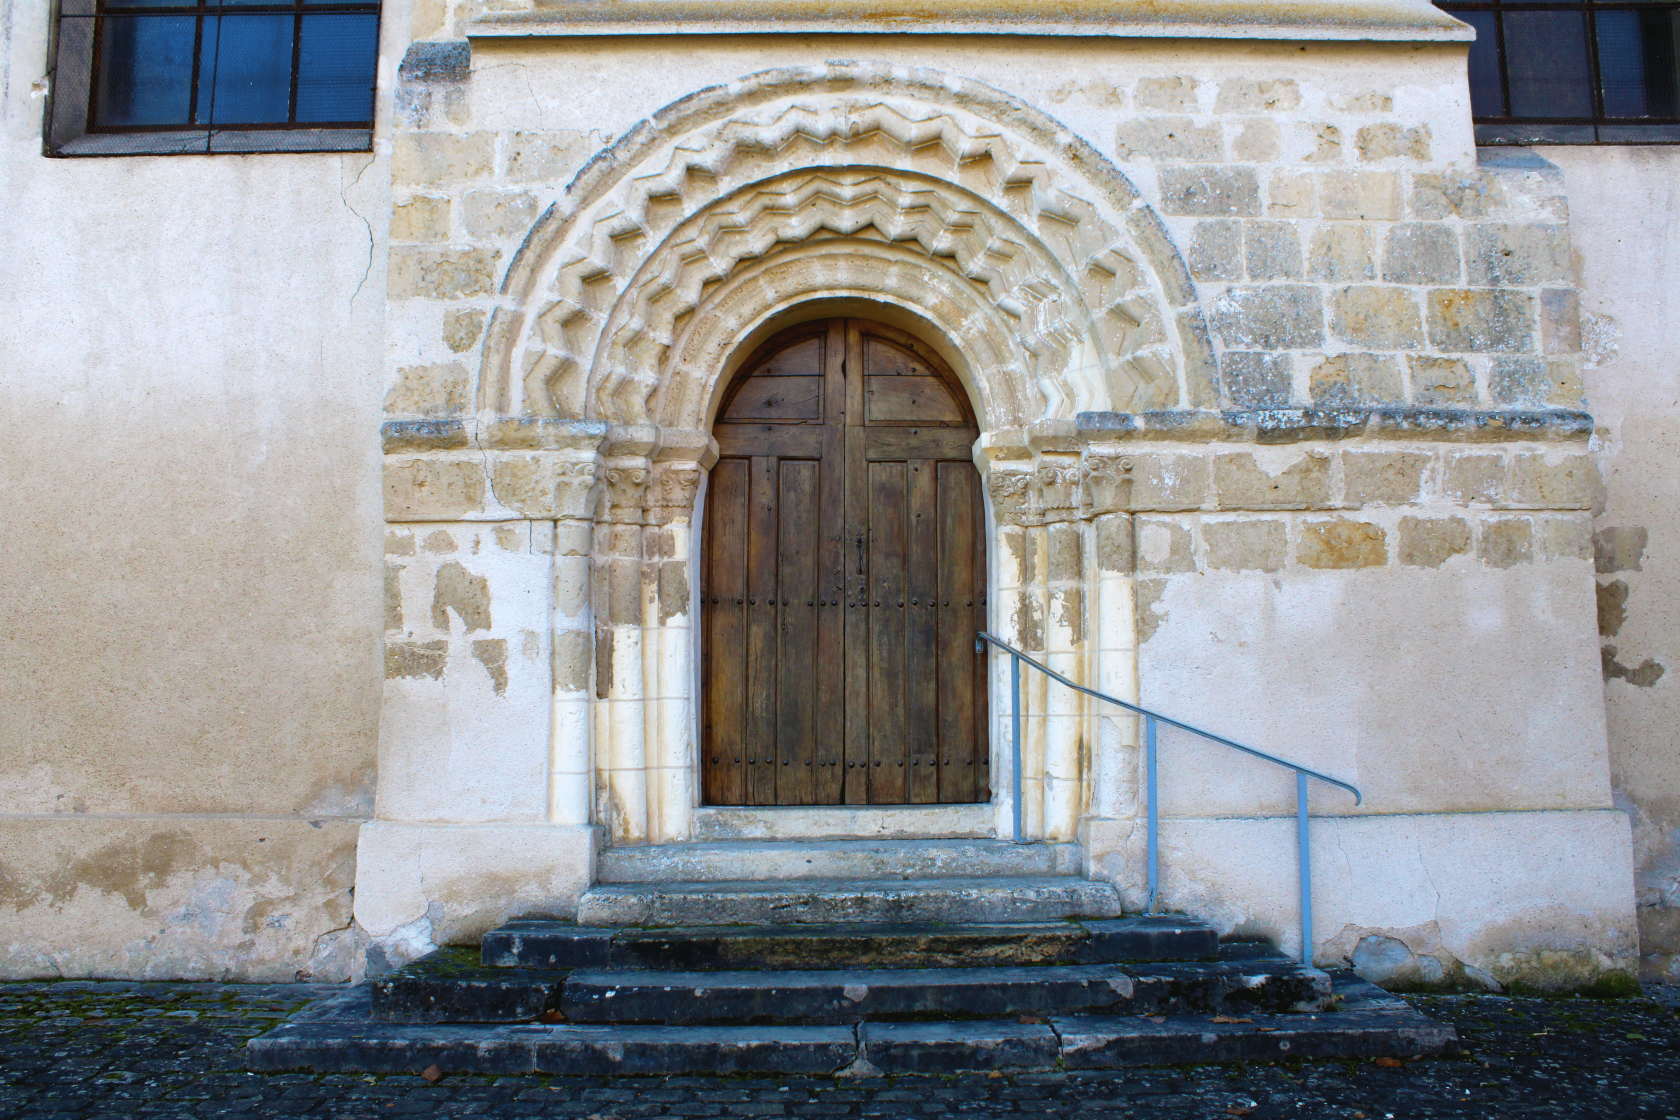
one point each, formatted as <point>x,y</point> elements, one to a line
<point>163,76</point>
<point>1572,71</point>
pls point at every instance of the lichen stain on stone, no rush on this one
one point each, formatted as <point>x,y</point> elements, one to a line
<point>393,597</point>
<point>464,593</point>
<point>415,659</point>
<point>1612,607</point>
<point>492,654</point>
<point>1647,674</point>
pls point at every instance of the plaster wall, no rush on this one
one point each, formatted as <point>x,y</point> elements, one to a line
<point>1624,214</point>
<point>191,528</point>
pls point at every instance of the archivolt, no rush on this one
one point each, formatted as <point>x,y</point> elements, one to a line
<point>983,187</point>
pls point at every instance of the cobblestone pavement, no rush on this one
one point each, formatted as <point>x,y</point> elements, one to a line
<point>76,1049</point>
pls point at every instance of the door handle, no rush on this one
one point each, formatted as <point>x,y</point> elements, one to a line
<point>860,554</point>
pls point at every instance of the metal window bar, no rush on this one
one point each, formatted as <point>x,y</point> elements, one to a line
<point>1151,720</point>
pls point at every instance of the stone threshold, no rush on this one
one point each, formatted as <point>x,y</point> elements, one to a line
<point>844,822</point>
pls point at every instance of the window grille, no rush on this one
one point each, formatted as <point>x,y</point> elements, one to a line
<point>158,76</point>
<point>1573,71</point>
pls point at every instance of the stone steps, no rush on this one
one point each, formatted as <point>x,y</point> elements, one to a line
<point>545,944</point>
<point>769,860</point>
<point>1023,898</point>
<point>338,1034</point>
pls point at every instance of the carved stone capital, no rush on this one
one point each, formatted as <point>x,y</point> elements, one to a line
<point>1012,488</point>
<point>624,484</point>
<point>1057,478</point>
<point>575,479</point>
<point>1108,483</point>
<point>670,493</point>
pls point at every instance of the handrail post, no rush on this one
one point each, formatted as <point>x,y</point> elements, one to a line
<point>1306,868</point>
<point>1154,816</point>
<point>1015,737</point>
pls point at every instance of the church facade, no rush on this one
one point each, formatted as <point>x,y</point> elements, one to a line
<point>698,383</point>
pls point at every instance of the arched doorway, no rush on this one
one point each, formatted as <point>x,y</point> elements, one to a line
<point>843,578</point>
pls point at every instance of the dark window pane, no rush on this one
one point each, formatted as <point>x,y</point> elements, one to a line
<point>1636,62</point>
<point>1546,62</point>
<point>145,70</point>
<point>251,58</point>
<point>336,59</point>
<point>1486,98</point>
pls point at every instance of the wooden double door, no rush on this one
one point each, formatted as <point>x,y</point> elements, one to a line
<point>844,577</point>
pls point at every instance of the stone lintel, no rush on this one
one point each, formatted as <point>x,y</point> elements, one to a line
<point>1408,21</point>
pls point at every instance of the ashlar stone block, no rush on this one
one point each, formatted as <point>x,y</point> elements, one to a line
<point>1506,542</point>
<point>1442,381</point>
<point>1174,94</point>
<point>440,158</point>
<point>441,273</point>
<point>1390,141</point>
<point>1210,192</point>
<point>1534,382</point>
<point>1388,478</point>
<point>432,489</point>
<point>1481,320</point>
<point>1356,379</point>
<point>1371,195</point>
<point>462,328</point>
<point>1291,194</point>
<point>1256,380</point>
<point>421,218</point>
<point>1169,138</point>
<point>429,390</point>
<point>1341,542</point>
<point>1248,95</point>
<point>1240,482</point>
<point>1510,255</point>
<point>1565,482</point>
<point>1216,250</point>
<point>1560,321</point>
<point>1377,318</point>
<point>1271,250</point>
<point>499,214</point>
<point>1156,481</point>
<point>1274,317</point>
<point>1250,545</point>
<point>1164,547</point>
<point>1421,253</point>
<point>1476,194</point>
<point>1258,141</point>
<point>1429,542</point>
<point>1342,253</point>
<point>1475,476</point>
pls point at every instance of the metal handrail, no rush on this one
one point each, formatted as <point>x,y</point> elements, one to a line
<point>1151,719</point>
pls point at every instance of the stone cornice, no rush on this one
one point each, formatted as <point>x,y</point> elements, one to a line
<point>1327,20</point>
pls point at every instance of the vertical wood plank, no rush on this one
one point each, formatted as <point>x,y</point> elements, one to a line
<point>725,671</point>
<point>831,587</point>
<point>887,601</point>
<point>957,530</point>
<point>982,790</point>
<point>762,652</point>
<point>796,506</point>
<point>921,639</point>
<point>854,554</point>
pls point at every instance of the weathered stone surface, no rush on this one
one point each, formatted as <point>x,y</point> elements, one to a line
<point>1534,382</point>
<point>766,860</point>
<point>451,986</point>
<point>1256,380</point>
<point>1561,483</point>
<point>1507,255</point>
<point>1421,253</point>
<point>1371,195</point>
<point>440,158</point>
<point>1429,542</point>
<point>1246,95</point>
<point>1271,250</point>
<point>1506,542</point>
<point>422,218</point>
<point>1460,194</point>
<point>1291,194</point>
<point>1241,483</point>
<point>414,660</point>
<point>1175,94</point>
<point>1210,192</point>
<point>1383,477</point>
<point>1157,481</point>
<point>1377,318</point>
<point>1442,381</point>
<point>1216,250</point>
<point>1568,538</point>
<point>1355,379</point>
<point>1251,545</point>
<point>548,157</point>
<point>1481,320</point>
<point>535,943</point>
<point>1560,321</point>
<point>1342,543</point>
<point>430,390</point>
<point>399,436</point>
<point>1620,548</point>
<point>441,273</point>
<point>432,489</point>
<point>1475,477</point>
<point>1342,252</point>
<point>1164,546</point>
<point>1274,317</point>
<point>1169,138</point>
<point>1258,141</point>
<point>1326,140</point>
<point>462,328</point>
<point>949,1047</point>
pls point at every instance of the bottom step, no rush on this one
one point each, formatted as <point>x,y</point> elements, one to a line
<point>338,1034</point>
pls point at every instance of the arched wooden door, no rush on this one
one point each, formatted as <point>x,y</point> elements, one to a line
<point>844,576</point>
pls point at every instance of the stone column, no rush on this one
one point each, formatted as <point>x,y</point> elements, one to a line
<point>619,575</point>
<point>1065,633</point>
<point>668,633</point>
<point>1017,616</point>
<point>570,799</point>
